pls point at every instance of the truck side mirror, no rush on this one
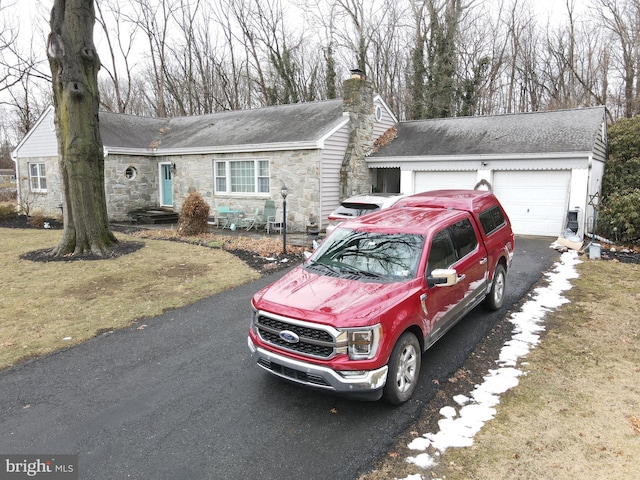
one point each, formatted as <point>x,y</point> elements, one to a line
<point>443,277</point>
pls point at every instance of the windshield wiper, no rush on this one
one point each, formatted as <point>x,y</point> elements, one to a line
<point>348,268</point>
<point>325,266</point>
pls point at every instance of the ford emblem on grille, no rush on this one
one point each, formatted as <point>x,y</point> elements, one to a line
<point>289,337</point>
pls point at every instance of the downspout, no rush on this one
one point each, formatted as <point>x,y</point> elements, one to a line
<point>14,157</point>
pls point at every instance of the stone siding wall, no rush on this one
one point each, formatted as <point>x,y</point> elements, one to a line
<point>125,194</point>
<point>297,169</point>
<point>355,177</point>
<point>41,203</point>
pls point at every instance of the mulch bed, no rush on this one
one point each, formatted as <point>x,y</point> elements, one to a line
<point>253,259</point>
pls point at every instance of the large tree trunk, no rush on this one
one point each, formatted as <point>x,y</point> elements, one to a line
<point>74,68</point>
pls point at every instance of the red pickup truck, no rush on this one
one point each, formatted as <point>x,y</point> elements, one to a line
<point>356,316</point>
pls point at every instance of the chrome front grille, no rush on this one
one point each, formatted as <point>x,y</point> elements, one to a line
<point>314,342</point>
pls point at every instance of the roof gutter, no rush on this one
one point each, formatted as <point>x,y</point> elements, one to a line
<point>484,157</point>
<point>248,148</point>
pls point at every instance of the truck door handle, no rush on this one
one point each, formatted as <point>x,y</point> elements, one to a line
<point>423,302</point>
<point>483,261</point>
<point>462,277</point>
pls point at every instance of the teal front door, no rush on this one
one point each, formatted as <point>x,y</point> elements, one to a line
<point>166,185</point>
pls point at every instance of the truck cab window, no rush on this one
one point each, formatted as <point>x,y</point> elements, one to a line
<point>442,254</point>
<point>464,237</point>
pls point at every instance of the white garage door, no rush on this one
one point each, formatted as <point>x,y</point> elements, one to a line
<point>425,181</point>
<point>536,202</point>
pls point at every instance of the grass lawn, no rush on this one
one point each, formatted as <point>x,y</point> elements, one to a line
<point>48,306</point>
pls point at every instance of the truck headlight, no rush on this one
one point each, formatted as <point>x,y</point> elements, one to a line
<point>254,318</point>
<point>362,343</point>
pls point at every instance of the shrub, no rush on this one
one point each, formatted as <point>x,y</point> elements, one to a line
<point>8,194</point>
<point>193,216</point>
<point>619,218</point>
<point>36,220</point>
<point>621,176</point>
<point>8,210</point>
<point>623,138</point>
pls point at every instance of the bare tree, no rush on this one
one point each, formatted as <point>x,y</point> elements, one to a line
<point>114,23</point>
<point>388,59</point>
<point>355,11</point>
<point>153,18</point>
<point>74,66</point>
<point>622,19</point>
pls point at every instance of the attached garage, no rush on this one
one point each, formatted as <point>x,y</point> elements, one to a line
<point>536,202</point>
<point>540,165</point>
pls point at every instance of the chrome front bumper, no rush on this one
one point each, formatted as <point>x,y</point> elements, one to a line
<point>367,383</point>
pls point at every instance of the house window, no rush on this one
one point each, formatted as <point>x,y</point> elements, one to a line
<point>130,173</point>
<point>242,176</point>
<point>37,177</point>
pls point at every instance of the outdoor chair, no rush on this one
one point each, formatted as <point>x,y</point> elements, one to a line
<point>252,220</point>
<point>275,222</point>
<point>269,212</point>
<point>212,221</point>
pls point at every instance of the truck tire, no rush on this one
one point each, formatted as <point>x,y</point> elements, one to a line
<point>404,369</point>
<point>495,299</point>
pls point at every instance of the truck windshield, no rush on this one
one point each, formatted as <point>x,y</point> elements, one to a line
<point>369,255</point>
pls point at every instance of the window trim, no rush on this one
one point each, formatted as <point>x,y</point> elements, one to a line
<point>227,179</point>
<point>40,166</point>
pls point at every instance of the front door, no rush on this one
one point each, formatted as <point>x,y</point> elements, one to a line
<point>166,185</point>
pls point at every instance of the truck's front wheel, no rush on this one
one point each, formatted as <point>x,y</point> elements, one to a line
<point>404,369</point>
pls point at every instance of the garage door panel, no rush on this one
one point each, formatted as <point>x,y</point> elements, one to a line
<point>536,202</point>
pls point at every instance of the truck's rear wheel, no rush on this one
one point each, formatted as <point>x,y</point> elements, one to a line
<point>495,299</point>
<point>404,369</point>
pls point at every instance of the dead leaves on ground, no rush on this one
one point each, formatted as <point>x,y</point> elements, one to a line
<point>263,246</point>
<point>635,423</point>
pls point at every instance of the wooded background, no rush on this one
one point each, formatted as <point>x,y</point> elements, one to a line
<point>426,58</point>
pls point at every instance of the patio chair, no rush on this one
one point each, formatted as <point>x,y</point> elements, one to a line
<point>275,222</point>
<point>252,220</point>
<point>212,221</point>
<point>268,213</point>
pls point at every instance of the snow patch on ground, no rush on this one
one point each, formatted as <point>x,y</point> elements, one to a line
<point>459,424</point>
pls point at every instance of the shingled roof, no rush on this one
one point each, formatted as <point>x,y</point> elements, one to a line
<point>302,122</point>
<point>537,132</point>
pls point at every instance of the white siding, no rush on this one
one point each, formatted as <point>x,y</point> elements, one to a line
<point>386,122</point>
<point>425,181</point>
<point>332,156</point>
<point>41,140</point>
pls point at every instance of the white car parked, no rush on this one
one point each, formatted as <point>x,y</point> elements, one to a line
<point>361,205</point>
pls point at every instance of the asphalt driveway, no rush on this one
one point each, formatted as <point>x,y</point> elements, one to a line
<point>176,397</point>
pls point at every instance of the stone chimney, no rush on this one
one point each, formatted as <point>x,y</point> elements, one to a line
<point>357,101</point>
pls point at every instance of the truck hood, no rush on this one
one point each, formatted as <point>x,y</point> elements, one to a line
<point>330,300</point>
